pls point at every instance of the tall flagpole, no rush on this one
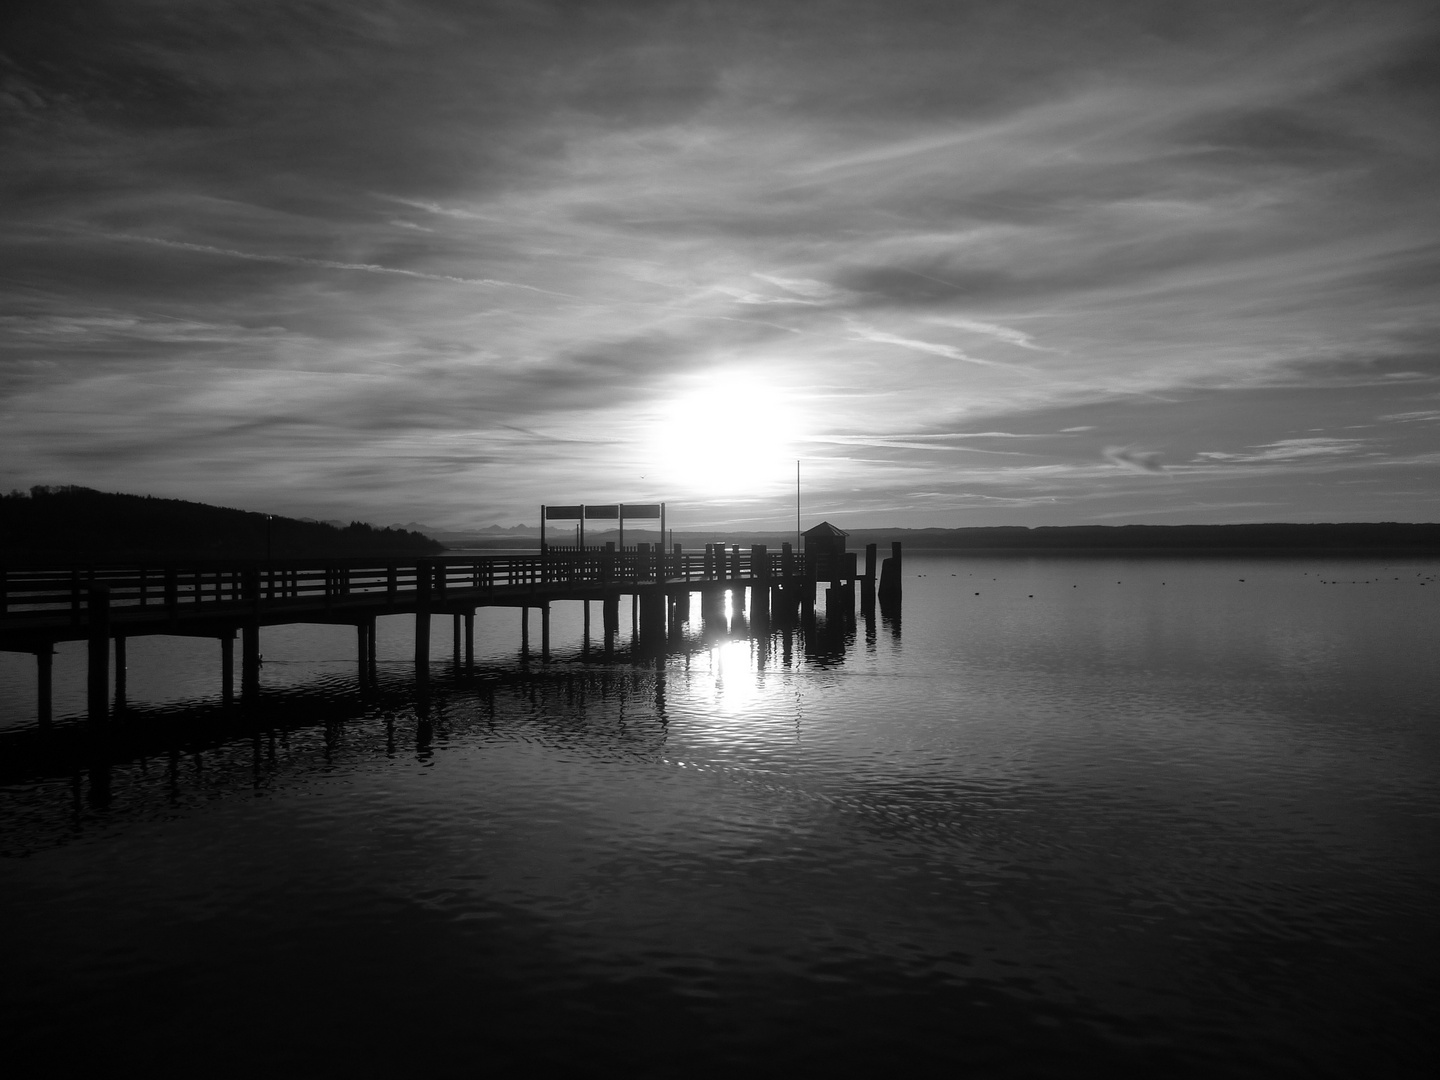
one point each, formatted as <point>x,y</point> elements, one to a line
<point>797,504</point>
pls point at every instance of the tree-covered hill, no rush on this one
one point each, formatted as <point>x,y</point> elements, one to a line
<point>54,524</point>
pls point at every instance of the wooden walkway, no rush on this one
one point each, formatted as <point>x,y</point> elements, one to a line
<point>104,603</point>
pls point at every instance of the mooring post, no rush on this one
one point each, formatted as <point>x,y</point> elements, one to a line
<point>99,669</point>
<point>470,640</point>
<point>227,668</point>
<point>44,673</point>
<point>890,575</point>
<point>545,631</point>
<point>456,638</point>
<point>585,631</point>
<point>525,631</point>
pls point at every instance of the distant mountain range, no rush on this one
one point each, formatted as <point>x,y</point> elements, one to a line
<point>1361,537</point>
<point>76,523</point>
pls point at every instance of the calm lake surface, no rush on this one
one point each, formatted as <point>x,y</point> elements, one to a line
<point>1151,816</point>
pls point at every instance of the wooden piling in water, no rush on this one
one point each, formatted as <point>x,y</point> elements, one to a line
<point>120,666</point>
<point>98,681</point>
<point>422,620</point>
<point>45,689</point>
<point>227,669</point>
<point>249,661</point>
<point>890,575</point>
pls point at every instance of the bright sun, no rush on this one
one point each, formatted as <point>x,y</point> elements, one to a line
<point>731,437</point>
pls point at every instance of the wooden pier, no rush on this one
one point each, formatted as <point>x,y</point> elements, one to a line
<point>105,604</point>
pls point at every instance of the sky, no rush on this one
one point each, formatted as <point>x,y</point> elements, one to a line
<point>990,263</point>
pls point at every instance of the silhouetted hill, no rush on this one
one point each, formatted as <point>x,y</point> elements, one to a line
<point>75,523</point>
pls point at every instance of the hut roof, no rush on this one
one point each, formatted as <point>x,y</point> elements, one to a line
<point>825,531</point>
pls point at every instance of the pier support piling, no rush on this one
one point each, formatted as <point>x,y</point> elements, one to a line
<point>98,685</point>
<point>227,669</point>
<point>120,665</point>
<point>422,622</point>
<point>249,662</point>
<point>362,651</point>
<point>45,678</point>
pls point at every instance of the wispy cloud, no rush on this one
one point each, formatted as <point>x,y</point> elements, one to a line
<point>330,264</point>
<point>1288,450</point>
<point>861,332</point>
<point>1136,460</point>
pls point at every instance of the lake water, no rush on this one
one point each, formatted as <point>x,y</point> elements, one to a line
<point>1149,816</point>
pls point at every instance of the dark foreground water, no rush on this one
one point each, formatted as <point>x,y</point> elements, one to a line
<point>1068,816</point>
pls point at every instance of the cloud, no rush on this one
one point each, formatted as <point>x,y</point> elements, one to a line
<point>1284,450</point>
<point>329,264</point>
<point>950,352</point>
<point>1135,460</point>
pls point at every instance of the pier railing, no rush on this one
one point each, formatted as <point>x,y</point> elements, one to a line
<point>181,588</point>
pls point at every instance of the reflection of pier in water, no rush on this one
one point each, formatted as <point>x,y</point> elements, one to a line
<point>584,696</point>
<point>105,605</point>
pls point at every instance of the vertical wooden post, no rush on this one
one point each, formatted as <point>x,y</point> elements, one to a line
<point>470,640</point>
<point>525,631</point>
<point>227,669</point>
<point>374,672</point>
<point>99,639</point>
<point>890,575</point>
<point>456,638</point>
<point>44,673</point>
<point>362,653</point>
<point>249,661</point>
<point>545,631</point>
<point>585,632</point>
<point>870,562</point>
<point>760,583</point>
<point>422,621</point>
<point>120,687</point>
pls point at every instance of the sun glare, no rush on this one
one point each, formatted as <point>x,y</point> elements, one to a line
<point>726,439</point>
